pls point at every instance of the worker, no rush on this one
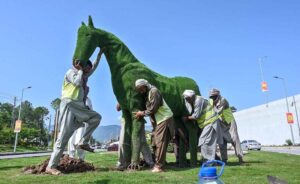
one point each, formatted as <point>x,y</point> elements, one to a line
<point>208,121</point>
<point>228,126</point>
<point>73,113</point>
<point>162,118</point>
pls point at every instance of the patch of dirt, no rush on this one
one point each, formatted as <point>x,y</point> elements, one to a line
<point>66,165</point>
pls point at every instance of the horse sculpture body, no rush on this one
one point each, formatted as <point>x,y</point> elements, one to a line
<point>125,69</point>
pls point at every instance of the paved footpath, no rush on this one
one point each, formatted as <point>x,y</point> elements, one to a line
<point>284,149</point>
<point>24,155</point>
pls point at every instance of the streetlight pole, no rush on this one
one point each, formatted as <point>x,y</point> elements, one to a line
<point>296,114</point>
<point>260,60</point>
<point>19,117</point>
<point>49,131</point>
<point>287,104</point>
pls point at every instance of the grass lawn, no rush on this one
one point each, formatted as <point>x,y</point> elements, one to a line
<point>258,165</point>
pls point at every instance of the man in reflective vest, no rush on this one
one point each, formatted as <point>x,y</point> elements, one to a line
<point>161,118</point>
<point>208,120</point>
<point>228,125</point>
<point>73,113</point>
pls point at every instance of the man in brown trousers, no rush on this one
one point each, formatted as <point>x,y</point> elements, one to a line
<point>161,117</point>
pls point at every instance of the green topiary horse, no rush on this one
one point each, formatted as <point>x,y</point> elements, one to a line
<point>125,69</point>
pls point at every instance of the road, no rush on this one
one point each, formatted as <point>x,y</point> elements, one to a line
<point>289,150</point>
<point>24,155</point>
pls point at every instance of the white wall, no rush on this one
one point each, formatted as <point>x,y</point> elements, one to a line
<point>268,125</point>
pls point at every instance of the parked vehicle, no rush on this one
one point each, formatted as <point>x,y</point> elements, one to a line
<point>113,147</point>
<point>250,145</point>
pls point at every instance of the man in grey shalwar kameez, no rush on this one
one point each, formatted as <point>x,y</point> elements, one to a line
<point>228,126</point>
<point>208,121</point>
<point>73,113</point>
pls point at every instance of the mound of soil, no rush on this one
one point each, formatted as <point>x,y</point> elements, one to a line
<point>66,165</point>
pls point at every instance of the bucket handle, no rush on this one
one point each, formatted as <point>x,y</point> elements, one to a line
<point>215,161</point>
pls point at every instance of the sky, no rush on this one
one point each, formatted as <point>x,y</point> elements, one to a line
<point>215,42</point>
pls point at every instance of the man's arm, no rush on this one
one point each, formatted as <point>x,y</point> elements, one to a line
<point>222,105</point>
<point>155,101</point>
<point>97,61</point>
<point>74,77</point>
<point>198,106</point>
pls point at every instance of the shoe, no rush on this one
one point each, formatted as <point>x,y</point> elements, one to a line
<point>157,169</point>
<point>53,171</point>
<point>85,147</point>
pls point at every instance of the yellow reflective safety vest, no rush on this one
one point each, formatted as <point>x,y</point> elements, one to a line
<point>163,113</point>
<point>227,115</point>
<point>208,115</point>
<point>70,91</point>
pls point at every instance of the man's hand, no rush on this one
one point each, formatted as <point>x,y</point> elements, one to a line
<point>77,65</point>
<point>138,114</point>
<point>118,107</point>
<point>184,118</point>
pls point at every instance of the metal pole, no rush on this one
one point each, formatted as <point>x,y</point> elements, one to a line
<point>16,139</point>
<point>13,113</point>
<point>288,109</point>
<point>19,117</point>
<point>263,79</point>
<point>287,104</point>
<point>49,132</point>
<point>296,115</point>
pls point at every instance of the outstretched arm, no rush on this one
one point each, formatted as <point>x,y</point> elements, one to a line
<point>155,101</point>
<point>97,61</point>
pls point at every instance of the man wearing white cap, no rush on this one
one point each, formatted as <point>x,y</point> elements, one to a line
<point>161,117</point>
<point>193,104</point>
<point>228,125</point>
<point>207,119</point>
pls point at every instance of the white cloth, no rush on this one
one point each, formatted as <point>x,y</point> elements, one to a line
<point>77,135</point>
<point>209,139</point>
<point>141,82</point>
<point>188,93</point>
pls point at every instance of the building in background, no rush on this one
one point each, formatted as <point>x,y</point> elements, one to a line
<point>268,125</point>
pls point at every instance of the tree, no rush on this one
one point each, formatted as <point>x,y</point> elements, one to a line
<point>5,115</point>
<point>55,103</point>
<point>32,123</point>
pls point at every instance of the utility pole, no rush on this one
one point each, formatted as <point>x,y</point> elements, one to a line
<point>287,105</point>
<point>263,82</point>
<point>49,131</point>
<point>13,113</point>
<point>295,105</point>
<point>19,117</point>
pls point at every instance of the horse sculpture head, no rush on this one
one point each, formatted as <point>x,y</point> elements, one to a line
<point>88,39</point>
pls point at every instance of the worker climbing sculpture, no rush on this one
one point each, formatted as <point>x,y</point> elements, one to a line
<point>125,69</point>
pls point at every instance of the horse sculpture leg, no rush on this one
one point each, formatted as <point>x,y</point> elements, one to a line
<point>181,144</point>
<point>127,137</point>
<point>137,126</point>
<point>192,130</point>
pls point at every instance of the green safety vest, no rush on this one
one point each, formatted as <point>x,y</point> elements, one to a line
<point>70,91</point>
<point>208,115</point>
<point>227,115</point>
<point>163,113</point>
